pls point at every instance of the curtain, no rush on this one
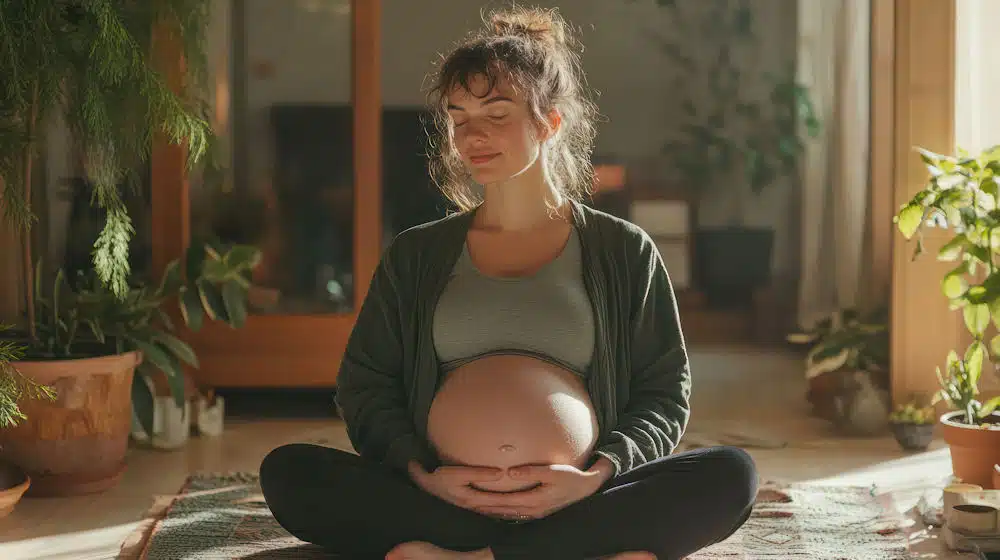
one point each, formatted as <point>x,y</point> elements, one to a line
<point>834,63</point>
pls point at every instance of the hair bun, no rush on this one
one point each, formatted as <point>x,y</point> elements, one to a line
<point>531,23</point>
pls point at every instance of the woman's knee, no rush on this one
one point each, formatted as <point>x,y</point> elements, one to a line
<point>285,461</point>
<point>734,475</point>
<point>296,466</point>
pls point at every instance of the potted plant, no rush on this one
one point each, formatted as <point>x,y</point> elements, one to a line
<point>963,196</point>
<point>739,128</point>
<point>90,61</point>
<point>913,425</point>
<point>847,368</point>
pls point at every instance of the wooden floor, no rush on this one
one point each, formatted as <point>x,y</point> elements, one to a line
<point>737,392</point>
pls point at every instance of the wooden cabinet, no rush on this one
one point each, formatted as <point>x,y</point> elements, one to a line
<point>310,210</point>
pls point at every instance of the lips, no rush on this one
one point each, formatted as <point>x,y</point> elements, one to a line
<point>482,158</point>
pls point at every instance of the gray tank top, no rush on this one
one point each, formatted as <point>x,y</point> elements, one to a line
<point>547,315</point>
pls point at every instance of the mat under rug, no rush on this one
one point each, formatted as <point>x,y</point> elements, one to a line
<point>220,516</point>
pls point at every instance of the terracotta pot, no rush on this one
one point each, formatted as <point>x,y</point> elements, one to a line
<point>13,484</point>
<point>974,450</point>
<point>76,443</point>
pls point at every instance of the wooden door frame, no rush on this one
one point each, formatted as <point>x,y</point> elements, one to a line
<point>922,327</point>
<point>280,350</point>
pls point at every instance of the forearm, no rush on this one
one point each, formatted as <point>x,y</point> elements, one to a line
<point>378,422</point>
<point>654,419</point>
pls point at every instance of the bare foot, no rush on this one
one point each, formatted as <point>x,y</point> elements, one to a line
<point>632,556</point>
<point>417,550</point>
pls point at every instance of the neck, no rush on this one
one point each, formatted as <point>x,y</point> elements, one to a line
<point>525,201</point>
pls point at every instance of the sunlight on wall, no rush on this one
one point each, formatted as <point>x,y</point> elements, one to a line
<point>977,54</point>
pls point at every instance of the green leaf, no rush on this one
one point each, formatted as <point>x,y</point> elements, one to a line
<point>953,285</point>
<point>977,318</point>
<point>974,359</point>
<point>166,364</point>
<point>212,301</point>
<point>953,249</point>
<point>178,348</point>
<point>995,312</point>
<point>172,280</point>
<point>214,270</point>
<point>142,402</point>
<point>191,310</point>
<point>989,407</point>
<point>909,219</point>
<point>195,260</point>
<point>234,298</point>
<point>243,257</point>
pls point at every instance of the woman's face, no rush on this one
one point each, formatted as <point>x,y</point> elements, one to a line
<point>494,131</point>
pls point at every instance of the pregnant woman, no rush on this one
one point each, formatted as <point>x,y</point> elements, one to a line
<point>517,380</point>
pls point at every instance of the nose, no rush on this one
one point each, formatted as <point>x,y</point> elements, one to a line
<point>474,132</point>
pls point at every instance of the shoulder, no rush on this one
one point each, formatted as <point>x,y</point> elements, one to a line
<point>427,239</point>
<point>617,235</point>
<point>451,226</point>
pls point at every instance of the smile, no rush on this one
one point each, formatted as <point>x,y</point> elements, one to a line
<point>481,159</point>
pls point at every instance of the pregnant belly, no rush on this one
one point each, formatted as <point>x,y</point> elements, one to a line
<point>508,410</point>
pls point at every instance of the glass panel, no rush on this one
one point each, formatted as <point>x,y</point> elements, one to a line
<point>282,103</point>
<point>409,196</point>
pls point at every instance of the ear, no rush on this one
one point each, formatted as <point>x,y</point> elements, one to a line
<point>552,121</point>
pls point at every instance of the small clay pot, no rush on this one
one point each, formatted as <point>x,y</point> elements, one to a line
<point>13,484</point>
<point>913,437</point>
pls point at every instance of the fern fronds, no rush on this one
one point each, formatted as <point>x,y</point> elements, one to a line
<point>14,386</point>
<point>91,60</point>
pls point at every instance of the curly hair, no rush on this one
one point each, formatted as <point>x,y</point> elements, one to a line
<point>533,51</point>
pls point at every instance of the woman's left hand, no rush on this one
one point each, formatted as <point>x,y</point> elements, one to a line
<point>559,486</point>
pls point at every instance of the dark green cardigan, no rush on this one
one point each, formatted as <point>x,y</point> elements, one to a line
<point>639,378</point>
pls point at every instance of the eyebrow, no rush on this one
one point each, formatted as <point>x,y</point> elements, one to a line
<point>494,99</point>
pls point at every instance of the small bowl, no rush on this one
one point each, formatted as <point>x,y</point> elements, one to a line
<point>13,484</point>
<point>913,437</point>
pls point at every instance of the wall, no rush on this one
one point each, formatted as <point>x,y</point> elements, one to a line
<point>303,55</point>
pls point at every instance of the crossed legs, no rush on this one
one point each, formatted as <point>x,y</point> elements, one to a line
<point>670,507</point>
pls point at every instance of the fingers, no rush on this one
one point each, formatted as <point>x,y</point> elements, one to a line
<point>535,498</point>
<point>466,475</point>
<point>417,471</point>
<point>541,473</point>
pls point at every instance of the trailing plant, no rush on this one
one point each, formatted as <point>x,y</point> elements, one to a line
<point>13,385</point>
<point>846,340</point>
<point>88,318</point>
<point>740,127</point>
<point>962,195</point>
<point>90,60</point>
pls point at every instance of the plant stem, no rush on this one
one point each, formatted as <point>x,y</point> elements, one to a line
<point>26,252</point>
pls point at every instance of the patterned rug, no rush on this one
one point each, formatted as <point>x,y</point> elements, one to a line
<point>224,516</point>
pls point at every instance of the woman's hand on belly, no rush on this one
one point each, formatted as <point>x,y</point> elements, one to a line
<point>558,486</point>
<point>454,484</point>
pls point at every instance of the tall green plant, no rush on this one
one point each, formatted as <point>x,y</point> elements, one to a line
<point>91,61</point>
<point>740,127</point>
<point>963,195</point>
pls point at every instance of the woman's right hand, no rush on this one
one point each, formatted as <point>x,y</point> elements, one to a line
<point>453,484</point>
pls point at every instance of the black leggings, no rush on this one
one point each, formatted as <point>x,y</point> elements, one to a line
<point>671,507</point>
